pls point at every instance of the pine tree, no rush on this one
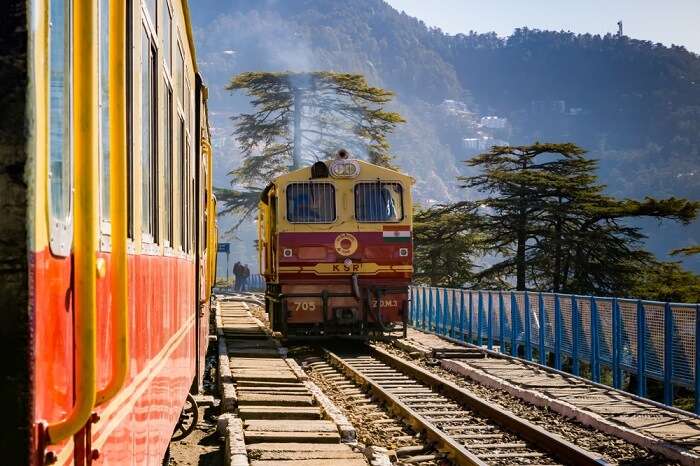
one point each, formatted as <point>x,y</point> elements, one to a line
<point>522,183</point>
<point>301,118</point>
<point>445,244</point>
<point>667,281</point>
<point>552,225</point>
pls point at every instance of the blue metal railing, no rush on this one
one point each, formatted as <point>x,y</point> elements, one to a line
<point>644,339</point>
<point>256,282</point>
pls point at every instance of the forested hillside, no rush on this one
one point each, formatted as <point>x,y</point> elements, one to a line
<point>634,105</point>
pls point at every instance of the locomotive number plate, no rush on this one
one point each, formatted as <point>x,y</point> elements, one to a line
<point>385,303</point>
<point>303,306</point>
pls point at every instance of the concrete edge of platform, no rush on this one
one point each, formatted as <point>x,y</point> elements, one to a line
<point>345,428</point>
<point>227,390</point>
<point>412,347</point>
<point>570,411</point>
<point>234,441</point>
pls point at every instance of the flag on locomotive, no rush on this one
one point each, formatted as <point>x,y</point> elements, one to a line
<point>336,249</point>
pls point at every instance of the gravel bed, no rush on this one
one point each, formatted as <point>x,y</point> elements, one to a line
<point>611,448</point>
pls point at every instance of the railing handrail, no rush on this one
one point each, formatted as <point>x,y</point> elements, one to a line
<point>577,296</point>
<point>118,201</point>
<point>85,121</point>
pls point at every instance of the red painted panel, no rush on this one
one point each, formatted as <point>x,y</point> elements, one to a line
<point>134,427</point>
<point>371,246</point>
<point>53,327</point>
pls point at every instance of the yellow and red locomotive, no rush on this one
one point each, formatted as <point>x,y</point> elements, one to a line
<point>335,248</point>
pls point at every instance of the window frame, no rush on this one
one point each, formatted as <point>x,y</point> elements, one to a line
<point>104,167</point>
<point>383,182</point>
<point>168,195</point>
<point>182,181</point>
<point>309,183</point>
<point>167,58</point>
<point>61,229</point>
<point>148,32</point>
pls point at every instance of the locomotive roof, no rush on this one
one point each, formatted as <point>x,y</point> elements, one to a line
<point>368,171</point>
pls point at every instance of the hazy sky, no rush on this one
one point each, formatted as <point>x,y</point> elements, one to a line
<point>665,21</point>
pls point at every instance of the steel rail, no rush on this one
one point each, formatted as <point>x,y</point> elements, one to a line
<point>454,449</point>
<point>551,443</point>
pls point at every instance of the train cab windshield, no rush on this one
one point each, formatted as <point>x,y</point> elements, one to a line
<point>311,203</point>
<point>378,202</point>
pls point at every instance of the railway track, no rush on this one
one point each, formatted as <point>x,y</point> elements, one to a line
<point>467,429</point>
<point>379,425</point>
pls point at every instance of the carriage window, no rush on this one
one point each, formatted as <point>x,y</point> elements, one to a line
<point>130,184</point>
<point>182,165</point>
<point>104,107</point>
<point>378,202</point>
<point>178,74</point>
<point>311,203</point>
<point>151,7</point>
<point>190,192</point>
<point>60,109</point>
<point>149,196</point>
<point>168,167</point>
<point>167,35</point>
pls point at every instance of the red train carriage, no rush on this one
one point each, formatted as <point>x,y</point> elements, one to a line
<point>335,249</point>
<point>108,229</point>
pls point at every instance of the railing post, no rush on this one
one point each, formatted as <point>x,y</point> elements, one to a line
<point>513,324</point>
<point>528,336</point>
<point>454,313</point>
<point>595,350</point>
<point>479,319</point>
<point>445,312</point>
<point>501,322</point>
<point>616,343</point>
<point>470,319</point>
<point>489,324</point>
<point>438,311</point>
<point>557,332</point>
<point>668,355</point>
<point>430,310</point>
<point>462,311</point>
<point>697,359</point>
<point>575,336</point>
<point>641,350</point>
<point>543,326</point>
<point>421,321</point>
<point>417,305</point>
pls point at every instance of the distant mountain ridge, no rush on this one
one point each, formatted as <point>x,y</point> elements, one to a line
<point>633,104</point>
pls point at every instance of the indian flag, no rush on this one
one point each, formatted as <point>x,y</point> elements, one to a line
<point>396,233</point>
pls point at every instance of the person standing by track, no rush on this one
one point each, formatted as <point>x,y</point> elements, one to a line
<point>246,276</point>
<point>237,276</point>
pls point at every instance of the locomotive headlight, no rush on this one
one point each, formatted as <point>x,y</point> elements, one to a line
<point>287,253</point>
<point>403,252</point>
<point>347,262</point>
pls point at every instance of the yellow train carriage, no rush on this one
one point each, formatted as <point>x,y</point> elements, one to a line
<point>109,225</point>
